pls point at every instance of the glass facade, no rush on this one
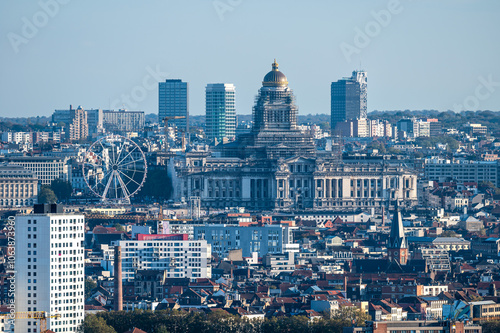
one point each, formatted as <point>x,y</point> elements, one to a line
<point>173,101</point>
<point>349,98</point>
<point>220,111</point>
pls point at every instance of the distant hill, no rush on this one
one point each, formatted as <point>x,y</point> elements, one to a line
<point>449,119</point>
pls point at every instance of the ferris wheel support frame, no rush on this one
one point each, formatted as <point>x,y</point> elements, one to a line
<point>113,174</point>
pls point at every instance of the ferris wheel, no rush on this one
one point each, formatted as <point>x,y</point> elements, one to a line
<point>114,168</point>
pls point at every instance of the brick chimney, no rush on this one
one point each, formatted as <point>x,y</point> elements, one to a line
<point>118,286</point>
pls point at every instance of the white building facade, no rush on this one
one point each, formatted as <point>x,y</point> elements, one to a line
<point>180,258</point>
<point>50,270</point>
<point>18,186</point>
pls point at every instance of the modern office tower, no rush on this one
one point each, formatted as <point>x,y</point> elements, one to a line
<point>348,98</point>
<point>18,186</point>
<point>220,111</point>
<point>50,268</point>
<point>173,102</point>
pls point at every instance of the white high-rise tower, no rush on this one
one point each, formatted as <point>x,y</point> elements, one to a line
<point>50,268</point>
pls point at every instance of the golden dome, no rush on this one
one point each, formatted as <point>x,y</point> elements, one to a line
<point>275,78</point>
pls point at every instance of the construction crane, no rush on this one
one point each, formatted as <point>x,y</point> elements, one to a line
<point>38,315</point>
<point>166,120</point>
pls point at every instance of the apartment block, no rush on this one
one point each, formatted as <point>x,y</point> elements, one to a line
<point>50,268</point>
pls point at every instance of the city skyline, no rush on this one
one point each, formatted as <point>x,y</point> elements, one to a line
<point>108,60</point>
<point>225,165</point>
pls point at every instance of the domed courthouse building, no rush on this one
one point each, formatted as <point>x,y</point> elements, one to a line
<point>277,167</point>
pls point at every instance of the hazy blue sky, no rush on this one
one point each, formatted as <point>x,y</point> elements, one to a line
<point>426,54</point>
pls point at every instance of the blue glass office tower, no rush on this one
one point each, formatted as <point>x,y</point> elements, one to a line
<point>173,101</point>
<point>220,111</point>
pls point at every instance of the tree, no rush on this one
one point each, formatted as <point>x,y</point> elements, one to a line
<point>46,195</point>
<point>94,324</point>
<point>352,315</point>
<point>118,227</point>
<point>491,326</point>
<point>393,151</point>
<point>448,233</point>
<point>157,186</point>
<point>162,329</point>
<point>89,286</point>
<point>62,189</point>
<point>476,298</point>
<point>324,125</point>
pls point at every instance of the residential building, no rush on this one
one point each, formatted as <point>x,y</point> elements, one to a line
<point>435,127</point>
<point>364,128</point>
<point>409,127</point>
<point>123,121</point>
<point>475,129</point>
<point>358,128</point>
<point>380,128</point>
<point>349,98</point>
<point>175,254</point>
<point>486,247</point>
<point>18,186</point>
<point>277,262</point>
<point>173,102</point>
<point>266,239</point>
<point>50,268</point>
<point>220,110</point>
<point>420,326</point>
<point>437,259</point>
<point>456,202</point>
<point>95,119</point>
<point>47,137</point>
<point>424,128</point>
<point>434,290</point>
<point>17,137</point>
<point>75,121</point>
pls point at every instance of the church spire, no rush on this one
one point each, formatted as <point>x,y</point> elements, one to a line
<point>397,248</point>
<point>397,238</point>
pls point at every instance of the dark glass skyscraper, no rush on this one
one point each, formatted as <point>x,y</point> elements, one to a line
<point>173,101</point>
<point>348,98</point>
